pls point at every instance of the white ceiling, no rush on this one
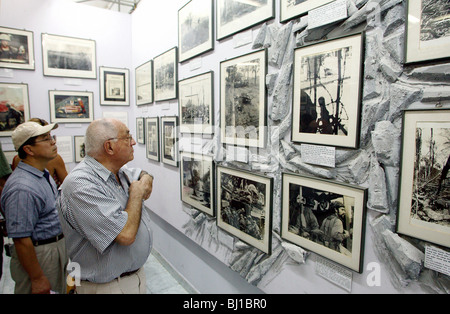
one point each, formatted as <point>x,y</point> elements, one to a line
<point>124,6</point>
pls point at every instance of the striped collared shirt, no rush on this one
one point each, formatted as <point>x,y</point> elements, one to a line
<point>92,206</point>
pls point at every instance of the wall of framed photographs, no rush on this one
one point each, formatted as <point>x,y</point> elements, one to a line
<point>299,128</point>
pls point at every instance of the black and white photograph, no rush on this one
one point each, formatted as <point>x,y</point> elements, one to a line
<point>69,57</point>
<point>425,184</point>
<point>80,149</point>
<point>234,16</point>
<point>152,138</point>
<point>144,83</point>
<point>14,107</point>
<point>165,75</point>
<point>195,28</point>
<point>244,206</point>
<point>16,49</point>
<point>71,106</point>
<point>324,217</point>
<point>114,87</point>
<point>140,130</point>
<point>327,92</point>
<point>196,104</point>
<point>292,8</point>
<point>197,181</point>
<point>243,100</point>
<point>427,30</point>
<point>169,146</point>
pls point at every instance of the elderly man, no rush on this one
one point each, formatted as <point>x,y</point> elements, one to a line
<point>101,210</point>
<point>39,257</point>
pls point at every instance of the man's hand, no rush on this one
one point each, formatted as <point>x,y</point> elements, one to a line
<point>40,285</point>
<point>147,180</point>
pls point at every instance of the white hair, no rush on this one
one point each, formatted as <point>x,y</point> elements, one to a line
<point>97,133</point>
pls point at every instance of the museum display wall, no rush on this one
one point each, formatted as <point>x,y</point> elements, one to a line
<point>266,129</point>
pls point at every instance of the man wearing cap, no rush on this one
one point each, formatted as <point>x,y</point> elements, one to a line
<point>39,258</point>
<point>6,51</point>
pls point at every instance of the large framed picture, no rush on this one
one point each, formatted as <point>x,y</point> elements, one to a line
<point>140,130</point>
<point>69,57</point>
<point>244,206</point>
<point>325,217</point>
<point>197,181</point>
<point>327,92</point>
<point>169,133</point>
<point>424,188</point>
<point>114,87</point>
<point>14,107</point>
<point>243,100</point>
<point>16,49</point>
<point>71,106</point>
<point>165,75</point>
<point>144,83</point>
<point>195,29</point>
<point>196,104</point>
<point>427,32</point>
<point>293,8</point>
<point>234,16</point>
<point>152,138</point>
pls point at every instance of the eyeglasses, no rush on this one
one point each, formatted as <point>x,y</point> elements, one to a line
<point>48,138</point>
<point>129,138</point>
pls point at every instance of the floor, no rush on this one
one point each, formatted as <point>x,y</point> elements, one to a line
<point>161,277</point>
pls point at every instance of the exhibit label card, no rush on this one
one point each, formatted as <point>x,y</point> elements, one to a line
<point>327,14</point>
<point>318,155</point>
<point>334,273</point>
<point>437,259</point>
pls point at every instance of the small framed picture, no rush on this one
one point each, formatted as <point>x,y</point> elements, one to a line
<point>71,106</point>
<point>114,87</point>
<point>14,106</point>
<point>424,185</point>
<point>144,83</point>
<point>243,100</point>
<point>195,28</point>
<point>169,133</point>
<point>80,150</point>
<point>325,217</point>
<point>140,131</point>
<point>196,104</point>
<point>427,32</point>
<point>244,206</point>
<point>152,138</point>
<point>327,92</point>
<point>197,181</point>
<point>165,75</point>
<point>16,49</point>
<point>69,57</point>
<point>234,16</point>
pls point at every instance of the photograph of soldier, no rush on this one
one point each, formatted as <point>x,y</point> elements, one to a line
<point>13,48</point>
<point>322,217</point>
<point>243,203</point>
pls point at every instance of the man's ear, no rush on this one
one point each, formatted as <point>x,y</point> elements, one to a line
<point>108,147</point>
<point>27,149</point>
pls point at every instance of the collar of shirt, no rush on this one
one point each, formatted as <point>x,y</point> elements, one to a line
<point>38,173</point>
<point>104,173</point>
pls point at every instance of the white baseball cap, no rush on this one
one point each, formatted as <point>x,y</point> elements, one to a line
<point>27,130</point>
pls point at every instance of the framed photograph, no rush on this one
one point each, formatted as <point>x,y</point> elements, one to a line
<point>71,106</point>
<point>152,138</point>
<point>69,57</point>
<point>16,49</point>
<point>196,103</point>
<point>243,100</point>
<point>169,130</point>
<point>140,131</point>
<point>144,83</point>
<point>325,217</point>
<point>14,107</point>
<point>424,188</point>
<point>165,75</point>
<point>197,181</point>
<point>114,87</point>
<point>292,8</point>
<point>427,32</point>
<point>234,16</point>
<point>244,206</point>
<point>80,150</point>
<point>195,29</point>
<point>327,92</point>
